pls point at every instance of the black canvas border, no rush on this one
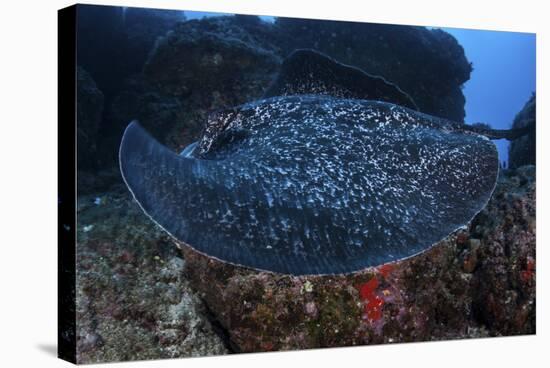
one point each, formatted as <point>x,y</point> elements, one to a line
<point>66,185</point>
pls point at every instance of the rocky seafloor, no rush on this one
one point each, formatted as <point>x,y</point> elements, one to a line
<point>133,300</point>
<point>142,296</point>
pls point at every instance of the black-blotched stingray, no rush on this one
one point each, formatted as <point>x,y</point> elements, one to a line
<point>332,172</point>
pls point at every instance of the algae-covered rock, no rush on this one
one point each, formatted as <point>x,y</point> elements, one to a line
<point>505,296</point>
<point>132,300</point>
<point>523,151</point>
<point>478,282</point>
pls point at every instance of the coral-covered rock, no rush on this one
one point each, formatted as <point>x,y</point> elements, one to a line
<point>89,112</point>
<point>479,281</point>
<point>132,300</point>
<point>523,151</point>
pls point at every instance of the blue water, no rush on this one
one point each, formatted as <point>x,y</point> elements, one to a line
<point>503,78</point>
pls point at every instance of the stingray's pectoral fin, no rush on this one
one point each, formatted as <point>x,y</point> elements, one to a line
<point>307,71</point>
<point>142,161</point>
<point>164,183</point>
<point>197,201</point>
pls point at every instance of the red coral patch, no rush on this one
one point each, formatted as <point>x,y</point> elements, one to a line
<point>373,303</point>
<point>373,308</point>
<point>368,288</point>
<point>529,272</point>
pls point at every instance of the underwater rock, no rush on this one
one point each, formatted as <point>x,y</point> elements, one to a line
<point>133,301</point>
<point>428,64</point>
<point>119,47</point>
<point>113,45</point>
<point>88,119</point>
<point>206,65</point>
<point>523,150</point>
<point>143,26</point>
<point>198,67</point>
<point>505,298</point>
<point>157,110</point>
<point>427,297</point>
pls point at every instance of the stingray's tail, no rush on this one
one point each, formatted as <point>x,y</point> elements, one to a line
<point>509,134</point>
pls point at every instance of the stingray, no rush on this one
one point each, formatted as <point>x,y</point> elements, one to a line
<point>333,171</point>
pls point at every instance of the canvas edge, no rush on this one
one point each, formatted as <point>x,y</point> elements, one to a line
<point>66,185</point>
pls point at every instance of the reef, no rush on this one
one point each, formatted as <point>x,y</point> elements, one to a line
<point>523,151</point>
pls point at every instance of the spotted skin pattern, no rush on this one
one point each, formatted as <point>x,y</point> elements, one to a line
<point>311,184</point>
